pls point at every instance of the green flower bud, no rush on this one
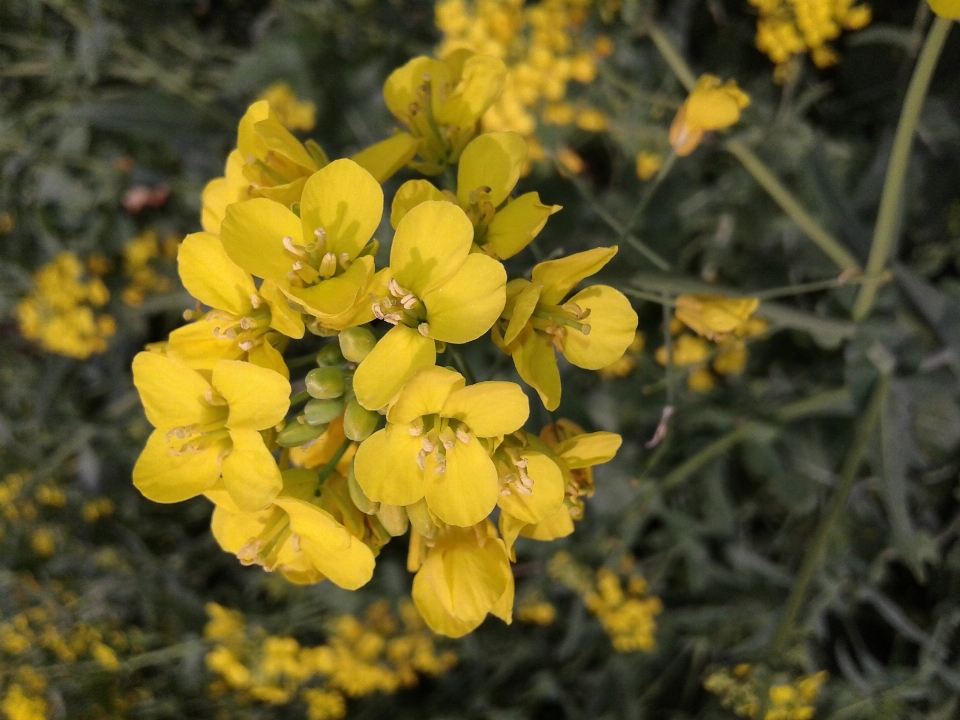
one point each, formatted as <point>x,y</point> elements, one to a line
<point>363,503</point>
<point>420,519</point>
<point>298,433</point>
<point>358,422</point>
<point>325,383</point>
<point>394,519</point>
<point>356,343</point>
<point>329,355</point>
<point>321,412</point>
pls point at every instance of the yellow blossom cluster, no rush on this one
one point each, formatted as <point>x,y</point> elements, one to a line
<point>626,364</point>
<point>59,313</point>
<point>541,46</point>
<point>756,696</point>
<point>292,112</point>
<point>139,256</point>
<point>381,653</point>
<point>313,467</point>
<point>628,616</point>
<point>790,28</point>
<point>536,611</point>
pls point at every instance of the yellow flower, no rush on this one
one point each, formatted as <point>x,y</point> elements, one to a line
<point>305,533</point>
<point>712,105</point>
<point>537,321</point>
<point>687,351</point>
<point>537,613</point>
<point>592,120</point>
<point>715,318</point>
<point>439,292</point>
<point>435,445</point>
<point>321,260</point>
<point>701,380</point>
<point>570,161</point>
<point>464,575</point>
<point>946,8</point>
<point>292,113</point>
<point>17,705</point>
<point>648,164</point>
<point>731,359</point>
<point>205,428</point>
<point>441,102</point>
<point>488,171</point>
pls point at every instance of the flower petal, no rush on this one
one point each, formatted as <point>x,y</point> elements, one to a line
<point>397,356</point>
<point>523,303</point>
<point>336,296</point>
<point>257,398</point>
<point>514,226</point>
<point>475,575</point>
<point>209,275</point>
<point>266,356</point>
<point>196,346</point>
<point>555,526</point>
<point>426,596</point>
<point>172,394</point>
<point>250,472</point>
<point>280,141</point>
<point>411,194</point>
<point>559,277</point>
<point>283,318</point>
<point>492,160</point>
<point>430,245</point>
<point>252,234</point>
<point>465,306</point>
<point>347,202</point>
<point>424,394</point>
<point>613,325</point>
<point>589,449</point>
<point>546,496</point>
<point>536,363</point>
<point>386,466</point>
<point>166,478</point>
<point>481,82</point>
<point>387,157</point>
<point>400,90</point>
<point>467,490</point>
<point>489,408</point>
<point>234,530</point>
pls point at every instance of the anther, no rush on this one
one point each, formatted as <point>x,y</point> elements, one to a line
<point>463,436</point>
<point>393,318</point>
<point>377,312</point>
<point>424,329</point>
<point>422,459</point>
<point>505,492</point>
<point>295,542</point>
<point>222,455</point>
<point>344,260</point>
<point>213,399</point>
<point>328,265</point>
<point>320,234</point>
<point>394,287</point>
<point>585,329</point>
<point>290,247</point>
<point>255,301</point>
<point>408,301</point>
<point>524,490</point>
<point>415,431</point>
<point>246,345</point>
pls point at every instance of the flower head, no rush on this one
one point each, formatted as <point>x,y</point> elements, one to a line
<point>946,8</point>
<point>293,113</point>
<point>712,105</point>
<point>716,318</point>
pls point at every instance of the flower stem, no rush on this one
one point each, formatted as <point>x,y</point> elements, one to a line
<point>830,246</point>
<point>648,193</point>
<point>888,218</point>
<point>461,362</point>
<point>838,504</point>
<point>332,463</point>
<point>672,56</point>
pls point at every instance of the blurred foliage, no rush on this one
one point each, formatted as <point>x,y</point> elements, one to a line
<point>113,115</point>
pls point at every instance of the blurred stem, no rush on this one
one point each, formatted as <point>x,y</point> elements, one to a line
<point>888,218</point>
<point>648,193</point>
<point>672,56</point>
<point>332,463</point>
<point>461,362</point>
<point>299,398</point>
<point>617,226</point>
<point>668,344</point>
<point>830,246</point>
<point>838,503</point>
<point>657,99</point>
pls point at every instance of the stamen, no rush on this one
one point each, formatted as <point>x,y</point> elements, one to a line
<point>328,265</point>
<point>524,490</point>
<point>246,345</point>
<point>424,329</point>
<point>295,542</point>
<point>585,329</point>
<point>297,266</point>
<point>393,318</point>
<point>230,334</point>
<point>463,436</point>
<point>344,260</point>
<point>441,467</point>
<point>415,431</point>
<point>247,555</point>
<point>255,301</point>
<point>422,459</point>
<point>290,247</point>
<point>427,445</point>
<point>377,312</point>
<point>320,234</point>
<point>212,399</point>
<point>408,301</point>
<point>505,492</point>
<point>222,455</point>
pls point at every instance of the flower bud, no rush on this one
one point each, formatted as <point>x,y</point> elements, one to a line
<point>420,519</point>
<point>358,422</point>
<point>329,355</point>
<point>356,343</point>
<point>325,383</point>
<point>321,412</point>
<point>394,519</point>
<point>363,503</point>
<point>298,433</point>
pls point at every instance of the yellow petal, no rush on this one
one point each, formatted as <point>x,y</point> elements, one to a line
<point>386,466</point>
<point>475,576</point>
<point>249,143</point>
<point>387,157</point>
<point>173,395</point>
<point>321,450</point>
<point>489,408</point>
<point>426,597</point>
<point>465,306</point>
<point>281,141</point>
<point>946,8</point>
<point>337,295</point>
<point>481,82</point>
<point>286,194</point>
<point>196,346</point>
<point>430,245</point>
<point>536,363</point>
<point>212,277</point>
<point>492,160</point>
<point>258,398</point>
<point>424,394</point>
<point>335,552</point>
<point>546,496</point>
<point>524,303</point>
<point>556,526</point>
<point>503,608</point>
<point>283,318</point>
<point>559,277</point>
<point>411,194</point>
<point>515,225</point>
<point>234,530</point>
<point>252,234</point>
<point>213,201</point>
<point>397,356</point>
<point>400,88</point>
<point>346,202</point>
<point>166,478</point>
<point>589,449</point>
<point>266,356</point>
<point>510,529</point>
<point>250,472</point>
<point>466,491</point>
<point>613,325</point>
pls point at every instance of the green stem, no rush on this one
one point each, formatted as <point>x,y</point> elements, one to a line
<point>298,363</point>
<point>461,362</point>
<point>673,57</point>
<point>888,218</point>
<point>332,463</point>
<point>648,296</point>
<point>668,344</point>
<point>838,504</point>
<point>300,397</point>
<point>657,99</point>
<point>830,246</point>
<point>648,194</point>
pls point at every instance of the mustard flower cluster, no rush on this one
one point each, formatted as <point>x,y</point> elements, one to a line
<point>141,256</point>
<point>60,313</point>
<point>380,653</point>
<point>628,616</point>
<point>541,46</point>
<point>755,695</point>
<point>311,475</point>
<point>790,28</point>
<point>292,112</point>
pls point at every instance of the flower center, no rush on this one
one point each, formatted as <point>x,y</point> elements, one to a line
<point>264,548</point>
<point>245,330</point>
<point>438,436</point>
<point>512,469</point>
<point>200,437</point>
<point>556,320</point>
<point>402,306</point>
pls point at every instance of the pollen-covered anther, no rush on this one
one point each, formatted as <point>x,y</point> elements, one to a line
<point>408,301</point>
<point>463,436</point>
<point>393,318</point>
<point>230,334</point>
<point>396,289</point>
<point>505,492</point>
<point>344,260</point>
<point>424,329</point>
<point>422,459</point>
<point>255,301</point>
<point>222,455</point>
<point>320,234</point>
<point>585,329</point>
<point>415,430</point>
<point>377,312</point>
<point>295,542</point>
<point>213,399</point>
<point>248,554</point>
<point>246,345</point>
<point>328,265</point>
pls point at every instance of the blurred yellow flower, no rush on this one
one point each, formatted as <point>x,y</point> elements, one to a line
<point>715,318</point>
<point>293,113</point>
<point>648,164</point>
<point>946,8</point>
<point>711,105</point>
